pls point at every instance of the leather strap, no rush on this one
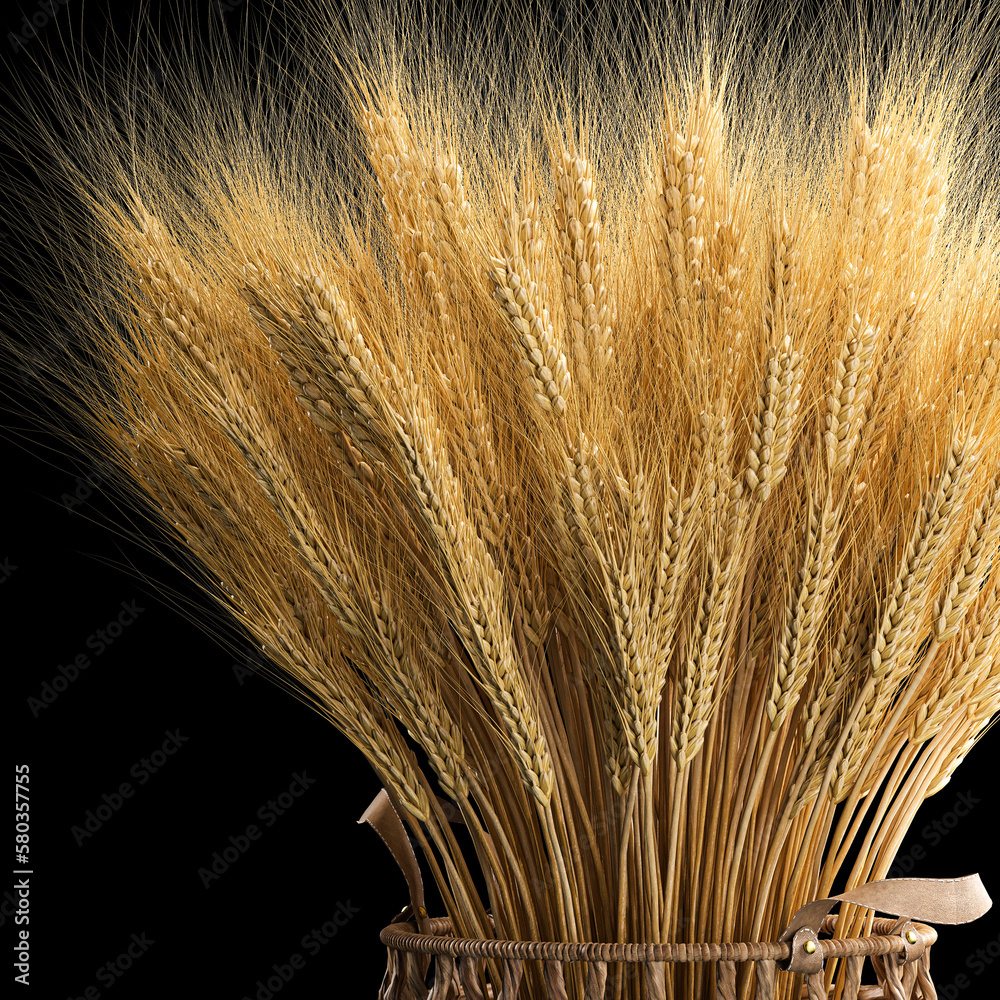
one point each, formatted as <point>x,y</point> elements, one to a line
<point>383,818</point>
<point>934,900</point>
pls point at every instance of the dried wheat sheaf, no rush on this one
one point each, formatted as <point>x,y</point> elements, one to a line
<point>609,450</point>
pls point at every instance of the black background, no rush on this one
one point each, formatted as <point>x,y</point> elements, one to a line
<point>65,575</point>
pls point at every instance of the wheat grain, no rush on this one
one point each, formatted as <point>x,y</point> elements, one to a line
<point>862,176</point>
<point>452,216</point>
<point>696,699</point>
<point>416,702</point>
<point>680,213</point>
<point>890,656</point>
<point>847,402</point>
<point>588,311</point>
<point>542,354</point>
<point>399,178</point>
<point>973,659</point>
<point>630,649</point>
<point>357,713</point>
<point>479,587</point>
<point>335,377</point>
<point>775,421</point>
<point>697,686</point>
<point>728,261</point>
<point>782,288</point>
<point>903,607</point>
<point>803,613</point>
<point>963,587</point>
<point>925,187</point>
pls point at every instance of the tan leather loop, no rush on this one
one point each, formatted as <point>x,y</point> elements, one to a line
<point>806,956</point>
<point>381,815</point>
<point>912,950</point>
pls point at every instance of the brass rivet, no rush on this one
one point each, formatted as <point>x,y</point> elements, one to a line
<point>810,947</point>
<point>911,936</point>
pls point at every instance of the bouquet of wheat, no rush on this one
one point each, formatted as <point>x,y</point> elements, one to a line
<point>610,452</point>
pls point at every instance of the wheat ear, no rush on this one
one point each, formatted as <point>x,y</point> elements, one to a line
<point>586,298</point>
<point>973,566</point>
<point>846,403</point>
<point>891,640</point>
<point>542,354</point>
<point>775,422</point>
<point>971,661</point>
<point>804,610</point>
<point>680,215</point>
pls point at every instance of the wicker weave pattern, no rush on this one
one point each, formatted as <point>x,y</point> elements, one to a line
<point>459,962</point>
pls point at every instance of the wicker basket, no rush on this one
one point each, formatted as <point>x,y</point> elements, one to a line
<point>898,949</point>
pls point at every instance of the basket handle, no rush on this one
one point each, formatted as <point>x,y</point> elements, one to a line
<point>383,818</point>
<point>935,900</point>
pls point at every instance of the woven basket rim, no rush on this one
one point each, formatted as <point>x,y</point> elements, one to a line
<point>403,936</point>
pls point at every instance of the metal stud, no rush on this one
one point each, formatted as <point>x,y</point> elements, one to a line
<point>810,947</point>
<point>911,936</point>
